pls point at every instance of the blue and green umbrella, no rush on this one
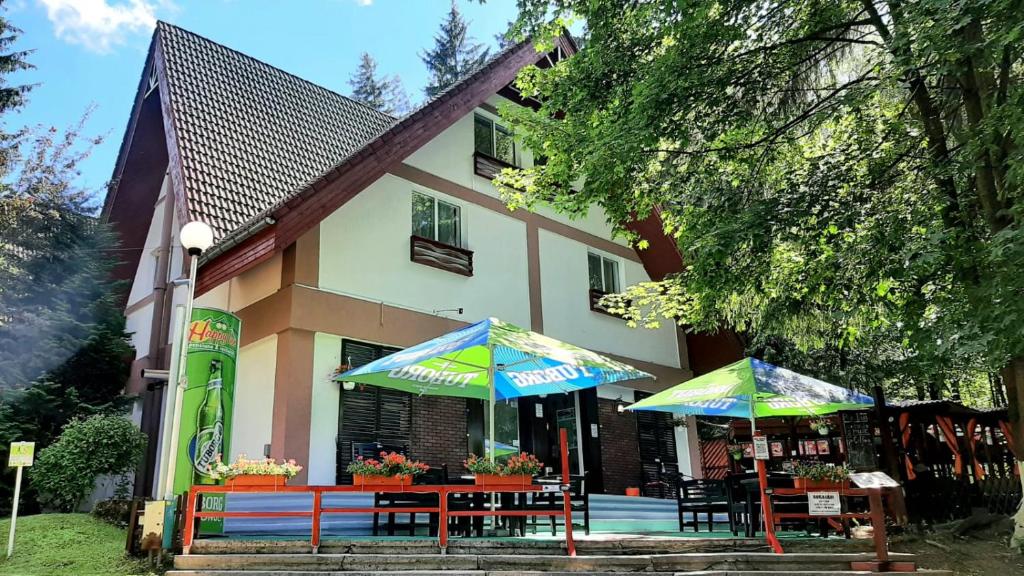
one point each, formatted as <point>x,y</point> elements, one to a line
<point>492,360</point>
<point>753,389</point>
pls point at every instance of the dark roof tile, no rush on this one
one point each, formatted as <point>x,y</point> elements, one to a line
<point>250,134</point>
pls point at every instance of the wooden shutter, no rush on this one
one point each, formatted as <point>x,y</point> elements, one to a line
<point>657,442</point>
<point>369,413</point>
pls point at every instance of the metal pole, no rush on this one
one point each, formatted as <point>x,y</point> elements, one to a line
<point>492,449</point>
<point>169,415</point>
<point>14,511</point>
<point>182,382</point>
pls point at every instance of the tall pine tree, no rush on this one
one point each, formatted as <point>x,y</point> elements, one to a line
<point>380,92</point>
<point>455,53</point>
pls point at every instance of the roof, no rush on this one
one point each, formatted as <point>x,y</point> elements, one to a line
<point>249,134</point>
<point>332,171</point>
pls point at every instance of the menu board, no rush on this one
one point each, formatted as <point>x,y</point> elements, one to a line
<point>859,434</point>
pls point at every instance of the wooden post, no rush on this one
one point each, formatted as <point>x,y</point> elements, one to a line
<point>563,441</point>
<point>890,460</point>
<point>317,499</point>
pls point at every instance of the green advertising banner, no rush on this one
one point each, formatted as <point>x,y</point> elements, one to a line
<point>206,408</point>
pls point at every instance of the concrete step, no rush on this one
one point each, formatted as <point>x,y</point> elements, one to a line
<point>534,573</point>
<point>516,563</point>
<point>528,573</point>
<point>594,545</point>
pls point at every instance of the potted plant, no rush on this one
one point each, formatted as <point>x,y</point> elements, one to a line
<point>484,469</point>
<point>259,472</point>
<point>821,425</point>
<point>392,469</point>
<point>520,468</point>
<point>736,451</point>
<point>818,476</point>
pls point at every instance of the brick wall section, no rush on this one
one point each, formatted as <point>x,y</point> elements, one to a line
<point>439,431</point>
<point>620,452</point>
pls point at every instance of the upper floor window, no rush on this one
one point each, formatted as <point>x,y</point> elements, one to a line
<point>436,220</point>
<point>604,273</point>
<point>493,139</point>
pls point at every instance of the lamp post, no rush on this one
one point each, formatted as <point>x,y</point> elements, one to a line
<point>196,237</point>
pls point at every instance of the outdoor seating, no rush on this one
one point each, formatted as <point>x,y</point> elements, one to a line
<point>579,499</point>
<point>696,497</point>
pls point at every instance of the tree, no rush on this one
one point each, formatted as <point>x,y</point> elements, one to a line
<point>835,172</point>
<point>67,470</point>
<point>384,94</point>
<point>455,54</point>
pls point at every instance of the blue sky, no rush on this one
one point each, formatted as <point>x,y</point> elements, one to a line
<point>91,52</point>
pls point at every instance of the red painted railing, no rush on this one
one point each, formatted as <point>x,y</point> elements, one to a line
<point>442,491</point>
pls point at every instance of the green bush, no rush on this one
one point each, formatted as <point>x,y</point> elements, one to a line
<point>66,471</point>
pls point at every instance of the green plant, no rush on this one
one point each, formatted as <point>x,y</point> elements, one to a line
<point>66,471</point>
<point>482,465</point>
<point>390,464</point>
<point>261,467</point>
<point>522,464</point>
<point>819,471</point>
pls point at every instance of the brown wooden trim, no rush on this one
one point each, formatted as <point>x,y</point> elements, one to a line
<point>662,256</point>
<point>429,253</point>
<point>486,106</point>
<point>533,276</point>
<point>594,297</point>
<point>312,310</point>
<point>174,165</point>
<point>248,254</point>
<point>140,304</point>
<point>434,182</point>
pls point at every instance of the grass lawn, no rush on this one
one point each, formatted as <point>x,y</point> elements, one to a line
<point>65,544</point>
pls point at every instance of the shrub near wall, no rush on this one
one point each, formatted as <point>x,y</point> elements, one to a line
<point>66,471</point>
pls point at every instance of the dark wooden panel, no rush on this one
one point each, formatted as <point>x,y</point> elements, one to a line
<point>442,256</point>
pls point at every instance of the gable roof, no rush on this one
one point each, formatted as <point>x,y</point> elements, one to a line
<point>249,133</point>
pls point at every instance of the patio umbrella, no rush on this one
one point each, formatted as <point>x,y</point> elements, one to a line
<point>751,389</point>
<point>492,360</point>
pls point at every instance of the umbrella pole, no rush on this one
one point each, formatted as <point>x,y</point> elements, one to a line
<point>762,481</point>
<point>493,448</point>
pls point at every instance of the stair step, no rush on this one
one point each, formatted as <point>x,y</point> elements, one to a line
<point>515,563</point>
<point>537,573</point>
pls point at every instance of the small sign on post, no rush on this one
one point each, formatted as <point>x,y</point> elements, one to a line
<point>823,503</point>
<point>761,448</point>
<point>21,454</point>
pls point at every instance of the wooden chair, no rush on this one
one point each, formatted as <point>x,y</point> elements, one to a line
<point>698,497</point>
<point>579,501</point>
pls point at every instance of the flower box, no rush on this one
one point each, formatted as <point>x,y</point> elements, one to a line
<point>808,484</point>
<point>267,480</point>
<point>376,480</point>
<point>503,480</point>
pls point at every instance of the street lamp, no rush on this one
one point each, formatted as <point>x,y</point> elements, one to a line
<point>196,237</point>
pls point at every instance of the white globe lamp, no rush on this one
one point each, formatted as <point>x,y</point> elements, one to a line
<point>196,237</point>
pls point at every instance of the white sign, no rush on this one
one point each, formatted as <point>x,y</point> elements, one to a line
<point>550,488</point>
<point>760,447</point>
<point>873,480</point>
<point>593,430</point>
<point>823,503</point>
<point>538,410</point>
<point>21,454</point>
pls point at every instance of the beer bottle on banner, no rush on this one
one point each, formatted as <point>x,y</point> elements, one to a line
<point>209,428</point>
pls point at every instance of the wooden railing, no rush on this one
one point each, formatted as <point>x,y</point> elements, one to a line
<point>488,166</point>
<point>440,255</point>
<point>595,302</point>
<point>192,515</point>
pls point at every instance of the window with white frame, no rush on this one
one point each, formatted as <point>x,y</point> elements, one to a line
<point>604,273</point>
<point>436,220</point>
<point>493,139</point>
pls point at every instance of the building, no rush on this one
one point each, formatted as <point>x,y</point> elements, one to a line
<point>343,234</point>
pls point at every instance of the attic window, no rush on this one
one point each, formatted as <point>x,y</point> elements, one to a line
<point>152,82</point>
